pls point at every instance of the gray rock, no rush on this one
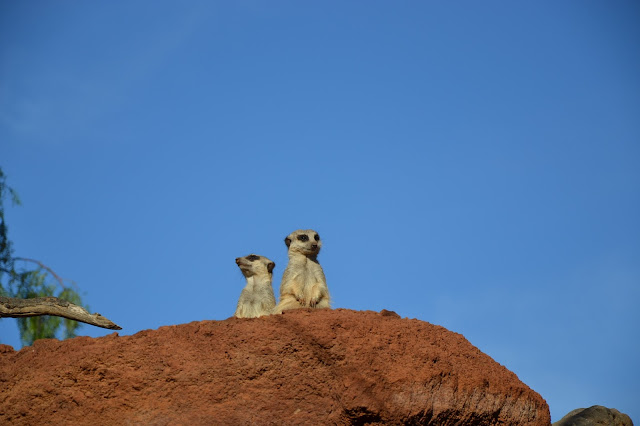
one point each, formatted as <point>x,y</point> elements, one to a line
<point>595,416</point>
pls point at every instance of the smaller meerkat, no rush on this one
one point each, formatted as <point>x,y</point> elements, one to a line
<point>303,282</point>
<point>257,297</point>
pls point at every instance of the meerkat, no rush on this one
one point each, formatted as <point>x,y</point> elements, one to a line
<point>257,298</point>
<point>303,283</point>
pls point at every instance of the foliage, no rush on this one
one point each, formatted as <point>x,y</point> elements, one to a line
<point>17,280</point>
<point>6,261</point>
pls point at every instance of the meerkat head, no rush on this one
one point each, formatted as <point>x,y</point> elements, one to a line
<point>255,265</point>
<point>304,241</point>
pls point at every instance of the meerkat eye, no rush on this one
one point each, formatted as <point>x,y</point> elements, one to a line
<point>303,238</point>
<point>253,257</point>
<point>316,237</point>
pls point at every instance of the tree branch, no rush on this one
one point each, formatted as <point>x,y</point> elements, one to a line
<point>15,308</point>
<point>43,266</point>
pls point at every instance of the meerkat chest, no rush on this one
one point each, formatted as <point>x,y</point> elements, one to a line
<point>255,295</point>
<point>255,290</point>
<point>312,274</point>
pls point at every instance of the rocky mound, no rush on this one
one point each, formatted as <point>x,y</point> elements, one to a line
<point>305,366</point>
<point>595,416</point>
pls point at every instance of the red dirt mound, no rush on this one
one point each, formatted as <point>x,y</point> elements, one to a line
<point>302,367</point>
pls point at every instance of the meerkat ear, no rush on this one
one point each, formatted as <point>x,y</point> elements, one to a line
<point>270,266</point>
<point>287,241</point>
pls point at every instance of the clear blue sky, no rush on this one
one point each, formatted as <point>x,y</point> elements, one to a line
<point>470,164</point>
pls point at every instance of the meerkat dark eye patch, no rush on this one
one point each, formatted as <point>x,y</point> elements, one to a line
<point>303,237</point>
<point>253,257</point>
<point>316,237</point>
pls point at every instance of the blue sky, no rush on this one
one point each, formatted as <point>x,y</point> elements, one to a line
<point>473,165</point>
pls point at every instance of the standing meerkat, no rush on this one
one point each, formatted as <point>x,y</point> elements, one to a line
<point>303,283</point>
<point>257,297</point>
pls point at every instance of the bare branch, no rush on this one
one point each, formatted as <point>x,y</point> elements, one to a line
<point>43,266</point>
<point>15,308</point>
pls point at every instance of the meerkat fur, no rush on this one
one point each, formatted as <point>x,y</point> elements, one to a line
<point>303,282</point>
<point>257,298</point>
